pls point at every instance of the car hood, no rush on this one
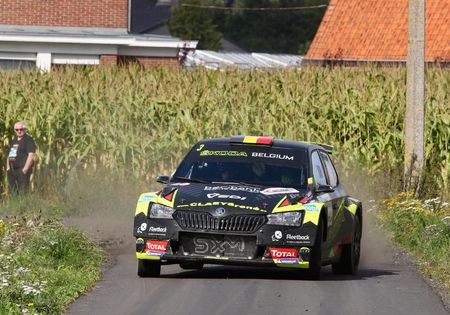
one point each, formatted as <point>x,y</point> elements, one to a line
<point>233,198</point>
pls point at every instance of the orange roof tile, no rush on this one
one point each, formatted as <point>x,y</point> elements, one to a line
<point>378,30</point>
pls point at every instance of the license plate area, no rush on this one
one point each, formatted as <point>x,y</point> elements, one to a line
<point>218,245</point>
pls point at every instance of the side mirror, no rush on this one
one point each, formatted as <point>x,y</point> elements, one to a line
<point>324,189</point>
<point>162,179</point>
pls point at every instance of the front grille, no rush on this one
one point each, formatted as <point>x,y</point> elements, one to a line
<point>194,220</point>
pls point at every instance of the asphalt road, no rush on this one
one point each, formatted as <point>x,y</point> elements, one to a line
<point>387,283</point>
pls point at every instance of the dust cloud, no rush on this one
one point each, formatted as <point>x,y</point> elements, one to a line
<point>102,204</point>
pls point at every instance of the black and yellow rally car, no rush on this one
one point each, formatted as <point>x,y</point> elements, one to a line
<point>250,201</point>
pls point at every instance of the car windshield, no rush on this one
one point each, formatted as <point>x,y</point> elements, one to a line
<point>256,165</point>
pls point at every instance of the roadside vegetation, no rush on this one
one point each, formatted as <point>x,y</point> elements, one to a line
<point>43,265</point>
<point>423,229</point>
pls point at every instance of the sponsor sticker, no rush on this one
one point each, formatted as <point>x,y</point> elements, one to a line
<point>143,227</point>
<point>279,191</point>
<point>273,156</point>
<point>157,229</point>
<point>156,248</point>
<point>220,196</point>
<point>278,253</point>
<point>311,207</point>
<point>233,188</point>
<point>139,241</point>
<point>223,153</point>
<point>287,261</point>
<point>297,237</point>
<point>278,235</point>
<point>146,198</point>
<point>220,203</point>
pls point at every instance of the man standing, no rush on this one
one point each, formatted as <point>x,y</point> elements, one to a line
<point>20,159</point>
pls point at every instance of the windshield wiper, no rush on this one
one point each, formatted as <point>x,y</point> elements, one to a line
<point>193,180</point>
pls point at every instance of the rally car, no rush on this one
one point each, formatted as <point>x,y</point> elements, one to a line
<point>250,201</point>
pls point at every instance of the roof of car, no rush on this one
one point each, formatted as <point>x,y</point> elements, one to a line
<point>277,143</point>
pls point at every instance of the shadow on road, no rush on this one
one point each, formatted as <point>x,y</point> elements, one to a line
<point>231,272</point>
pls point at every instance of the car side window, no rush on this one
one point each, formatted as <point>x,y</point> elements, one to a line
<point>332,175</point>
<point>318,171</point>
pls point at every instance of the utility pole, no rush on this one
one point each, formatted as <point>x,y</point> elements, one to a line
<point>415,96</point>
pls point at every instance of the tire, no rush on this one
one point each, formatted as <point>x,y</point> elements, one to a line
<point>191,265</point>
<point>315,260</point>
<point>148,268</point>
<point>349,260</point>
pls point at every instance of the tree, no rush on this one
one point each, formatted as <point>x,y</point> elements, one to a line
<point>195,24</point>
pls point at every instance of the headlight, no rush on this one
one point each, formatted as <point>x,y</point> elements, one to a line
<point>293,218</point>
<point>161,212</point>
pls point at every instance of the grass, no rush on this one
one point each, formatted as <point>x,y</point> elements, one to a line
<point>423,229</point>
<point>43,265</point>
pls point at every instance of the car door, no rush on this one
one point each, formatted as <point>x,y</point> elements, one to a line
<point>338,204</point>
<point>330,199</point>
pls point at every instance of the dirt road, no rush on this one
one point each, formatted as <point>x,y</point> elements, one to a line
<point>386,284</point>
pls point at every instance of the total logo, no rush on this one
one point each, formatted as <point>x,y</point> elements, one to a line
<point>277,253</point>
<point>156,246</point>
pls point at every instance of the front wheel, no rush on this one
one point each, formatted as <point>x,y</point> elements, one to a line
<point>349,260</point>
<point>315,259</point>
<point>148,268</point>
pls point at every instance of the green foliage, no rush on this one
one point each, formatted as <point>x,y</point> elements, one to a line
<point>44,266</point>
<point>195,24</point>
<point>276,31</point>
<point>139,123</point>
<point>423,228</point>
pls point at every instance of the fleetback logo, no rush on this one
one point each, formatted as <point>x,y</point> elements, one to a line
<point>297,237</point>
<point>157,229</point>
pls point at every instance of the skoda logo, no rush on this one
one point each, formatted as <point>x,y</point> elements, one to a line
<point>220,211</point>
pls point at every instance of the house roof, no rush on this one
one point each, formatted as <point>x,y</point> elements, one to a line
<point>88,35</point>
<point>377,30</point>
<point>221,60</point>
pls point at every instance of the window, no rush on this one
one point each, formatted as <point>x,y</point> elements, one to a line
<point>332,175</point>
<point>318,171</point>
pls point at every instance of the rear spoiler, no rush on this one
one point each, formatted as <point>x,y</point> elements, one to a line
<point>326,147</point>
<point>264,141</point>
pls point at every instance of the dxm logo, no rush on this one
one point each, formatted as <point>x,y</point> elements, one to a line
<point>214,245</point>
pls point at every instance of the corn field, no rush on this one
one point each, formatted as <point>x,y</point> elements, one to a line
<point>141,122</point>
